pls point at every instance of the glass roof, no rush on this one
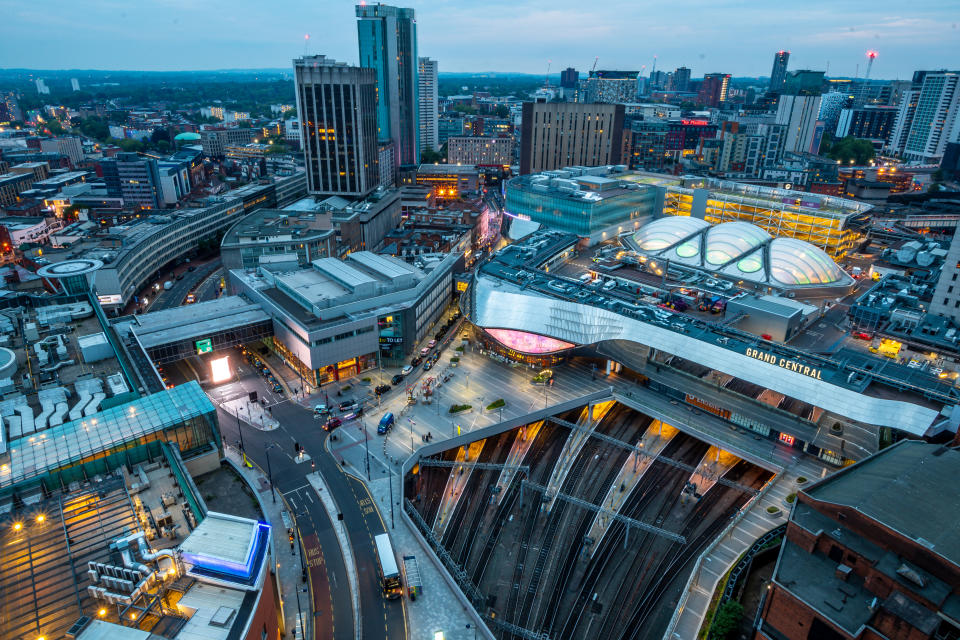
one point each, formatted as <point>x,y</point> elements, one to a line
<point>797,262</point>
<point>732,239</point>
<point>666,232</point>
<point>36,454</point>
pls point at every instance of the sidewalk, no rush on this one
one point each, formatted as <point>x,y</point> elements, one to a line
<point>288,567</point>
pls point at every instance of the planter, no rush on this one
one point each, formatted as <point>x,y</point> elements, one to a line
<point>774,512</point>
<point>801,480</point>
<point>789,499</point>
<point>496,404</point>
<point>460,408</point>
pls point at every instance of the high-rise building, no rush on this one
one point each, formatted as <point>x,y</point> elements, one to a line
<point>429,99</point>
<point>134,178</point>
<point>714,88</point>
<point>42,87</point>
<point>831,104</point>
<point>681,79</point>
<point>336,104</point>
<point>778,74</point>
<point>946,296</point>
<point>74,84</point>
<point>870,122</point>
<point>798,109</point>
<point>928,117</point>
<point>609,87</point>
<point>555,135</point>
<point>70,146</point>
<point>569,78</point>
<point>388,44</point>
<point>480,150</point>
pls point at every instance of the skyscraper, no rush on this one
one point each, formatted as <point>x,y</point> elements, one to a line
<point>428,104</point>
<point>337,108</point>
<point>713,90</point>
<point>799,109</point>
<point>779,72</point>
<point>569,78</point>
<point>681,79</point>
<point>928,117</point>
<point>388,44</point>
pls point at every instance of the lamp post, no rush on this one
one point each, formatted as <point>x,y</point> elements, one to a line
<point>240,431</point>
<point>390,473</point>
<point>273,493</point>
<point>366,444</point>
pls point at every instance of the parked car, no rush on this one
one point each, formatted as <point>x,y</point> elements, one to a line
<point>417,360</point>
<point>397,379</point>
<point>424,352</point>
<point>382,389</point>
<point>386,423</point>
<point>321,409</point>
<point>428,365</point>
<point>277,388</point>
<point>407,370</point>
<point>332,424</point>
<point>348,405</point>
<point>432,344</point>
<point>191,298</point>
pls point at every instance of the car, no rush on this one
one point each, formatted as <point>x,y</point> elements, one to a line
<point>407,370</point>
<point>382,389</point>
<point>424,352</point>
<point>417,360</point>
<point>179,277</point>
<point>428,365</point>
<point>277,389</point>
<point>332,424</point>
<point>321,409</point>
<point>191,298</point>
<point>397,379</point>
<point>348,405</point>
<point>435,357</point>
<point>432,344</point>
<point>386,423</point>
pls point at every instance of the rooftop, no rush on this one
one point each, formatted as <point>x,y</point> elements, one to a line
<point>204,318</point>
<point>895,487</point>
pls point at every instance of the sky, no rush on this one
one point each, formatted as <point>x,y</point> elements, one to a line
<point>729,36</point>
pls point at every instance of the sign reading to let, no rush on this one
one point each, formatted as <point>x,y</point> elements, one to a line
<point>784,363</point>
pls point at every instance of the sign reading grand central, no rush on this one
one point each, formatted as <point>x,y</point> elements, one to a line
<point>784,363</point>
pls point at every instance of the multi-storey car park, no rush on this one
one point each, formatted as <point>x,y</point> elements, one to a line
<point>600,203</point>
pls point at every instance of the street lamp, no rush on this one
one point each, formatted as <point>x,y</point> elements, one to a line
<point>273,493</point>
<point>366,444</point>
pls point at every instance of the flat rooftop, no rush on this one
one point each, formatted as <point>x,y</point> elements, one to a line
<point>201,319</point>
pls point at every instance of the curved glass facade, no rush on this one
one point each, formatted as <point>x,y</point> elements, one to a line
<point>528,342</point>
<point>666,232</point>
<point>796,262</point>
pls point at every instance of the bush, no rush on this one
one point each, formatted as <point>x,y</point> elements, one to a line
<point>726,624</point>
<point>791,497</point>
<point>367,379</point>
<point>457,408</point>
<point>801,480</point>
<point>772,510</point>
<point>454,359</point>
<point>347,388</point>
<point>496,404</point>
<point>460,349</point>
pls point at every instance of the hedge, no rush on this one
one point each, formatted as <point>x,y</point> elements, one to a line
<point>496,404</point>
<point>457,408</point>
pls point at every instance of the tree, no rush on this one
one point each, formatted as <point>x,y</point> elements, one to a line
<point>726,622</point>
<point>859,151</point>
<point>429,156</point>
<point>502,111</point>
<point>54,127</point>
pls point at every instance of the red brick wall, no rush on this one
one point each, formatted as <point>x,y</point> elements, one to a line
<point>265,613</point>
<point>789,616</point>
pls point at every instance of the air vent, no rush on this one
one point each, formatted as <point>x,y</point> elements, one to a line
<point>223,617</point>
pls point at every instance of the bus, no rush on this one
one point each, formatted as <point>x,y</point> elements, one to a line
<point>389,572</point>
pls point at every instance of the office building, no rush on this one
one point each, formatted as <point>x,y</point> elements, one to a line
<point>296,236</point>
<point>611,87</point>
<point>134,178</point>
<point>870,123</point>
<point>680,81</point>
<point>713,89</point>
<point>429,104</point>
<point>70,146</point>
<point>336,319</point>
<point>555,135</point>
<point>831,104</point>
<point>480,150</point>
<point>336,104</point>
<point>9,108</point>
<point>388,44</point>
<point>12,185</point>
<point>569,78</point>
<point>778,75</point>
<point>449,181</point>
<point>928,117</point>
<point>215,141</point>
<point>869,552</point>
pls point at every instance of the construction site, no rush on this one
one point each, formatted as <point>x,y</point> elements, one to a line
<point>585,524</point>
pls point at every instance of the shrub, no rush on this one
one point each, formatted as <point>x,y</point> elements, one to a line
<point>454,359</point>
<point>791,497</point>
<point>457,408</point>
<point>801,480</point>
<point>771,510</point>
<point>367,379</point>
<point>496,404</point>
<point>347,388</point>
<point>460,349</point>
<point>726,624</point>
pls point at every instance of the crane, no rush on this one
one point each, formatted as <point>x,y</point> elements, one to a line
<point>546,78</point>
<point>871,56</point>
<point>594,68</point>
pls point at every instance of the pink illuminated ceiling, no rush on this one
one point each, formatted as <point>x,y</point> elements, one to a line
<point>528,342</point>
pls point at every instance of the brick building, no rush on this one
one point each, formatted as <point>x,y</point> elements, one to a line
<point>872,552</point>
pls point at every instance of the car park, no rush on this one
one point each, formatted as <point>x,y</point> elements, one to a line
<point>407,370</point>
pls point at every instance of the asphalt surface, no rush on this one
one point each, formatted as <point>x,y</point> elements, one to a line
<point>173,297</point>
<point>379,618</point>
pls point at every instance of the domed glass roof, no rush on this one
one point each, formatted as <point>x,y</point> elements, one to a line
<point>666,232</point>
<point>796,262</point>
<point>732,239</point>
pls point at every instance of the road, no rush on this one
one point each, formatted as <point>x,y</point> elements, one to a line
<point>173,297</point>
<point>379,618</point>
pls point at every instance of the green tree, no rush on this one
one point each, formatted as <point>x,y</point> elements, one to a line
<point>429,156</point>
<point>54,127</point>
<point>850,148</point>
<point>129,144</point>
<point>502,111</point>
<point>726,622</point>
<point>464,108</point>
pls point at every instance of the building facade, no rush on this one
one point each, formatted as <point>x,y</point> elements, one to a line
<point>478,150</point>
<point>216,141</point>
<point>429,104</point>
<point>928,117</point>
<point>778,74</point>
<point>870,122</point>
<point>70,146</point>
<point>336,104</point>
<point>713,89</point>
<point>134,178</point>
<point>387,38</point>
<point>555,135</point>
<point>611,87</point>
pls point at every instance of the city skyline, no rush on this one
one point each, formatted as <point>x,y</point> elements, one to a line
<point>520,38</point>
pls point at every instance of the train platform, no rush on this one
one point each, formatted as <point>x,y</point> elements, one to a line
<point>455,485</point>
<point>517,452</point>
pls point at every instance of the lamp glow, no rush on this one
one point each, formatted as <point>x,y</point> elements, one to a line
<point>220,369</point>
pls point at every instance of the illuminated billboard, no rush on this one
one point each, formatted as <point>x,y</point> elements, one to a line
<point>528,342</point>
<point>204,346</point>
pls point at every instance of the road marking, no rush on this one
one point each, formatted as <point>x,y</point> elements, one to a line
<point>306,486</point>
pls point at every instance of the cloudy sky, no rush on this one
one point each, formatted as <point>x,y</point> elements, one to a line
<point>731,36</point>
